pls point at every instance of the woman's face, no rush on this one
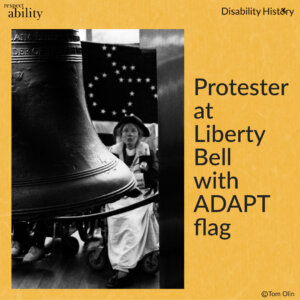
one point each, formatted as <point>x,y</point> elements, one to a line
<point>130,135</point>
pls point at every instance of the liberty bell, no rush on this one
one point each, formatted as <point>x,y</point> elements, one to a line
<point>59,164</point>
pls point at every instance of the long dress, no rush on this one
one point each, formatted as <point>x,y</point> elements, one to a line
<point>133,234</point>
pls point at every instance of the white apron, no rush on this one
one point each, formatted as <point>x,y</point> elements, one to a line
<point>133,234</point>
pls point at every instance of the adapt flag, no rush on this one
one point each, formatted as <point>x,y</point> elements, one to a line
<point>119,80</point>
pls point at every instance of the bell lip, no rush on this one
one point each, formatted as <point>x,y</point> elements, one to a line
<point>65,177</point>
<point>58,210</point>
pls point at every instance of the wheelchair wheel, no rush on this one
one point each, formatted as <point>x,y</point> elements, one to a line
<point>86,229</point>
<point>97,258</point>
<point>150,263</point>
<point>70,245</point>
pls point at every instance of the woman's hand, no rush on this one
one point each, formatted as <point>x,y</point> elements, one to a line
<point>144,166</point>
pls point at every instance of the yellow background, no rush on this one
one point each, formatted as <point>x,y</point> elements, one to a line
<point>263,251</point>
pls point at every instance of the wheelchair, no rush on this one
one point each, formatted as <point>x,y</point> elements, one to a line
<point>97,255</point>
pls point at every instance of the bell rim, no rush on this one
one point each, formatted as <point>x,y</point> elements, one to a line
<point>65,177</point>
<point>58,210</point>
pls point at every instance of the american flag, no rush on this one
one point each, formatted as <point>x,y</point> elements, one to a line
<point>119,80</point>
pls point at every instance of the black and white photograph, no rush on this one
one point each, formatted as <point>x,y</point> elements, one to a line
<point>97,158</point>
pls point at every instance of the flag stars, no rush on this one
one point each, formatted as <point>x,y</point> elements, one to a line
<point>103,111</point>
<point>121,79</point>
<point>152,87</point>
<point>131,93</point>
<point>147,79</point>
<point>104,75</point>
<point>104,47</point>
<point>155,95</point>
<point>108,54</point>
<point>132,67</point>
<point>90,85</point>
<point>124,111</point>
<point>139,79</point>
<point>113,63</point>
<point>117,72</point>
<point>124,67</point>
<point>129,103</point>
<point>113,48</point>
<point>96,78</point>
<point>91,95</point>
<point>94,104</point>
<point>113,112</point>
<point>129,79</point>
